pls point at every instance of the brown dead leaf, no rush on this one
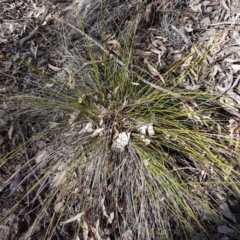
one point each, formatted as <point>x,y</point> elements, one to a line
<point>34,49</point>
<point>58,207</point>
<point>41,143</point>
<point>149,12</point>
<point>227,101</point>
<point>72,118</point>
<point>88,128</point>
<point>154,71</point>
<point>115,46</point>
<point>1,55</point>
<point>103,207</point>
<point>10,132</point>
<point>96,234</point>
<point>196,6</point>
<point>97,132</point>
<point>85,230</point>
<point>71,81</point>
<point>225,5</point>
<point>115,131</point>
<point>54,68</point>
<point>75,218</point>
<point>59,179</point>
<point>111,217</point>
<point>41,156</point>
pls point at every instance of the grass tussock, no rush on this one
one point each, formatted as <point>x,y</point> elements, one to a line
<point>69,179</point>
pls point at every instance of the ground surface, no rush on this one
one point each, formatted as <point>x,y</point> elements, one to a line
<point>33,48</point>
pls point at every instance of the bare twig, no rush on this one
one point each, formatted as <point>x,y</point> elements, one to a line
<point>223,23</point>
